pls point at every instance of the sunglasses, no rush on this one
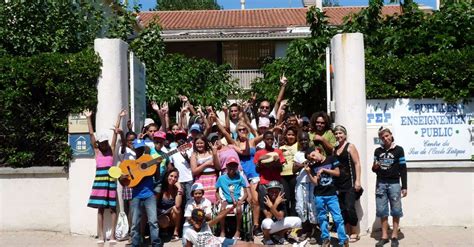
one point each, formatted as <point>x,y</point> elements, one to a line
<point>242,130</point>
<point>264,107</point>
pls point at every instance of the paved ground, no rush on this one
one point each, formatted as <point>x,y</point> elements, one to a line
<point>410,236</point>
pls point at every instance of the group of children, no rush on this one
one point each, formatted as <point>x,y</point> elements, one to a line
<point>291,171</point>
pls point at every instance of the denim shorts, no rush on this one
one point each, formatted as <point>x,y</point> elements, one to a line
<point>386,193</point>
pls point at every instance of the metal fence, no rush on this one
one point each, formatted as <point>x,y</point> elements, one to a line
<point>246,76</point>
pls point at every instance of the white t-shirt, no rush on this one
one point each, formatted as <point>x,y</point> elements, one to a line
<point>205,205</point>
<point>302,176</point>
<point>183,166</point>
<point>129,154</point>
<point>253,123</point>
<point>203,238</point>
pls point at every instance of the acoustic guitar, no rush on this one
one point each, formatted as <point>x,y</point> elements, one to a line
<point>145,166</point>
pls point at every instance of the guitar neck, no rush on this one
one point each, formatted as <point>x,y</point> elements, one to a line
<point>162,156</point>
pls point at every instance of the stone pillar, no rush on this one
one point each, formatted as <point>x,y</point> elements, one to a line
<point>112,96</point>
<point>350,102</point>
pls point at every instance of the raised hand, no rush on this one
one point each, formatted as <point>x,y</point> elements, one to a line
<point>283,80</point>
<point>183,98</point>
<point>225,109</point>
<point>87,113</point>
<point>267,201</point>
<point>164,108</point>
<point>123,113</point>
<point>155,106</point>
<point>280,198</point>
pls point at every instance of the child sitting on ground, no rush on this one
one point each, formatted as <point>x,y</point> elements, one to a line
<point>321,173</point>
<point>198,201</point>
<point>231,184</point>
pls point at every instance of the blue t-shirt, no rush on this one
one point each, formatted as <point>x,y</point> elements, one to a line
<point>225,183</point>
<point>325,186</point>
<point>144,189</point>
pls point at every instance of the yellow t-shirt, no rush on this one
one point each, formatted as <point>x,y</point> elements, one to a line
<point>289,154</point>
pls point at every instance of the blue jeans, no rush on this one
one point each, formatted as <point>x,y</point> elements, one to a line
<point>150,207</point>
<point>187,191</point>
<point>385,193</point>
<point>331,204</point>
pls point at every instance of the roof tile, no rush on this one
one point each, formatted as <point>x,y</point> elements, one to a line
<point>254,18</point>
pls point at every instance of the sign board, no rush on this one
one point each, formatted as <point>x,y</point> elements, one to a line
<point>81,145</point>
<point>77,123</point>
<point>137,93</point>
<point>427,129</point>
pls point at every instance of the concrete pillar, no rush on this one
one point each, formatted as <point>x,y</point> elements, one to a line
<point>112,96</point>
<point>350,101</point>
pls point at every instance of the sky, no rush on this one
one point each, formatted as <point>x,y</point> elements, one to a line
<point>254,4</point>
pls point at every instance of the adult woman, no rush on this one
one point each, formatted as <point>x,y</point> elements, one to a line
<point>289,150</point>
<point>245,149</point>
<point>390,167</point>
<point>169,202</point>
<point>321,135</point>
<point>205,166</point>
<point>348,182</point>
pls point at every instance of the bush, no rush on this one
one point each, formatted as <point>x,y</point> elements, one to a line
<point>37,93</point>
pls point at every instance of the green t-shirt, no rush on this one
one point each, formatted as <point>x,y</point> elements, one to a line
<point>328,135</point>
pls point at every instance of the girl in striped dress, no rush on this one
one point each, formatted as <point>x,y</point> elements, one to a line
<point>104,188</point>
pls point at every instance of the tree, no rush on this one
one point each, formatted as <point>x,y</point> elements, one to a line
<point>48,70</point>
<point>186,4</point>
<point>414,54</point>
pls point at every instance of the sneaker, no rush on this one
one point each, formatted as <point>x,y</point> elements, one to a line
<point>277,239</point>
<point>257,231</point>
<point>381,242</point>
<point>394,242</point>
<point>268,242</point>
<point>313,241</point>
<point>346,243</point>
<point>326,243</point>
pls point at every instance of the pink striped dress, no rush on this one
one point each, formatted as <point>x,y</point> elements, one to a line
<point>104,189</point>
<point>208,180</point>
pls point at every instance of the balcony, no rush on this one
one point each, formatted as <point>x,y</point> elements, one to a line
<point>246,76</point>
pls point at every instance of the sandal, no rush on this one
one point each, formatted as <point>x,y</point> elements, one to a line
<point>100,242</point>
<point>354,238</point>
<point>174,238</point>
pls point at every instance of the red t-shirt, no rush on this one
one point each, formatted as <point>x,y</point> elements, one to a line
<point>268,174</point>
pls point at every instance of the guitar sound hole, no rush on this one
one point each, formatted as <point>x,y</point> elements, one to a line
<point>143,166</point>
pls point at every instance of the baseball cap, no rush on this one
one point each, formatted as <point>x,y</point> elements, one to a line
<point>148,121</point>
<point>213,136</point>
<point>195,127</point>
<point>305,119</point>
<point>263,122</point>
<point>181,133</point>
<point>159,134</point>
<point>232,160</point>
<point>274,184</point>
<point>138,143</point>
<point>197,186</point>
<point>101,137</point>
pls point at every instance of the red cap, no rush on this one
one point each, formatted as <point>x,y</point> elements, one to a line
<point>181,132</point>
<point>232,160</point>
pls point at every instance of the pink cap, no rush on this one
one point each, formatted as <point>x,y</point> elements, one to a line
<point>232,160</point>
<point>159,134</point>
